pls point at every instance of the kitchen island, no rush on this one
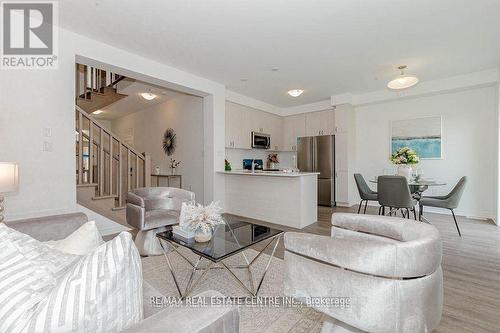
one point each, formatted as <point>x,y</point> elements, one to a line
<point>286,198</point>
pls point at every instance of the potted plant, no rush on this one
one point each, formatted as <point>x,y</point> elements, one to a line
<point>200,219</point>
<point>173,165</point>
<point>405,158</point>
<point>272,160</point>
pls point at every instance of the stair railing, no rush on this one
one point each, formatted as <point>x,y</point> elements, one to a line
<point>106,161</point>
<point>94,80</point>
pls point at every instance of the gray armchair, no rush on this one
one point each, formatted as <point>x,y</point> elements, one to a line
<point>151,210</point>
<point>389,268</point>
<point>449,201</point>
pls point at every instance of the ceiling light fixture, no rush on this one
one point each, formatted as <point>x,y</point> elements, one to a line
<point>295,92</point>
<point>97,112</point>
<point>403,81</point>
<point>148,96</point>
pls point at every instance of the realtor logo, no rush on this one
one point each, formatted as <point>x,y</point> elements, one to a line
<point>29,34</point>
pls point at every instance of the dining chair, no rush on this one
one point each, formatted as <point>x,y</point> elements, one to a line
<point>449,201</point>
<point>365,192</point>
<point>394,193</point>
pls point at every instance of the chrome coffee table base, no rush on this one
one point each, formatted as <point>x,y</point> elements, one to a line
<point>218,264</point>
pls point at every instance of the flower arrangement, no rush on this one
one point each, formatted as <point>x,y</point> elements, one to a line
<point>405,156</point>
<point>227,165</point>
<point>272,158</point>
<point>200,219</point>
<point>174,164</point>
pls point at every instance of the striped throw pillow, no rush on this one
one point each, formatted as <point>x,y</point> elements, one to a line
<point>28,272</point>
<point>102,292</point>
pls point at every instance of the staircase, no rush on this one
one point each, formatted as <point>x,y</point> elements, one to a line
<point>96,88</point>
<point>107,168</point>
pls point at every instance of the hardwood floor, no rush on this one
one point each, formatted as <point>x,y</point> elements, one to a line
<point>471,268</point>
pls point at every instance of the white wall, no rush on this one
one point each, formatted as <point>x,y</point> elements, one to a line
<point>469,120</point>
<point>184,114</point>
<point>33,99</point>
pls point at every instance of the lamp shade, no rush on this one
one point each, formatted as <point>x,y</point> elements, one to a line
<point>9,177</point>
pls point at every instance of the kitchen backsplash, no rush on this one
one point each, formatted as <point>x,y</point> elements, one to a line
<point>236,156</point>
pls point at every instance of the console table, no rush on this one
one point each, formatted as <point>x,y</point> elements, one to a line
<point>168,177</point>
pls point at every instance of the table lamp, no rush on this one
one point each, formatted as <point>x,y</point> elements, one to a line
<point>9,181</point>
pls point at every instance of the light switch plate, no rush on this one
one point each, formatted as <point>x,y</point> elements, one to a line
<point>47,132</point>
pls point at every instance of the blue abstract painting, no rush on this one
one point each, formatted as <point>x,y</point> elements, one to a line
<point>423,135</point>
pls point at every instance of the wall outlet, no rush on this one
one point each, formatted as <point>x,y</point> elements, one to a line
<point>47,146</point>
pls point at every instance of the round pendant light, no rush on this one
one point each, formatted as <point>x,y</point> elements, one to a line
<point>295,92</point>
<point>403,81</point>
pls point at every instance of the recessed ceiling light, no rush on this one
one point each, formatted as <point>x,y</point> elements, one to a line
<point>295,92</point>
<point>275,69</point>
<point>97,112</point>
<point>148,96</point>
<point>403,81</point>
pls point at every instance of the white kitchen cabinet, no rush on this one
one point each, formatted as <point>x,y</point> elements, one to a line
<point>293,128</point>
<point>320,123</point>
<point>341,152</point>
<point>237,127</point>
<point>276,133</point>
<point>342,119</point>
<point>342,188</point>
<point>241,121</point>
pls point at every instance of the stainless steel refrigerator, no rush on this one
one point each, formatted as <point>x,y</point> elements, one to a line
<point>317,154</point>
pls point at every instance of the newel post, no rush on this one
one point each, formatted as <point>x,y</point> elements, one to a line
<point>147,170</point>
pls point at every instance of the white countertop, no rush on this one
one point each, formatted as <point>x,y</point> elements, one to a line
<point>268,173</point>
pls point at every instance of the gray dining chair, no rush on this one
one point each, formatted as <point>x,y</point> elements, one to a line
<point>394,193</point>
<point>365,192</point>
<point>449,201</point>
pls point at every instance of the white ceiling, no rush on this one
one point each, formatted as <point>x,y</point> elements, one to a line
<point>134,102</point>
<point>325,47</point>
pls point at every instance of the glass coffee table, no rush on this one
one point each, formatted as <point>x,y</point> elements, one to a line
<point>228,240</point>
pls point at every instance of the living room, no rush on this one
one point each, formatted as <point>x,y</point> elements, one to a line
<point>255,57</point>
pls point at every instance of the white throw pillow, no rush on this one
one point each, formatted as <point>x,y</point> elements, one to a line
<point>28,272</point>
<point>101,292</point>
<point>82,241</point>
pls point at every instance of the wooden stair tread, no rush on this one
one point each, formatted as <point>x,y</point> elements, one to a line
<point>85,185</point>
<point>105,197</point>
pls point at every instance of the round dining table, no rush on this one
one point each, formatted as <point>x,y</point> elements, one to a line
<point>417,185</point>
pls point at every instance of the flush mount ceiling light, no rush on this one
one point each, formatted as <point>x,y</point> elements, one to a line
<point>295,92</point>
<point>97,112</point>
<point>148,96</point>
<point>403,81</point>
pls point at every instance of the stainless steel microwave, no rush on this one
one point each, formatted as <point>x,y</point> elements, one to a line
<point>261,140</point>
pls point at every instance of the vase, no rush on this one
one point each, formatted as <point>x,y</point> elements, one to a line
<point>157,170</point>
<point>173,171</point>
<point>404,170</point>
<point>202,235</point>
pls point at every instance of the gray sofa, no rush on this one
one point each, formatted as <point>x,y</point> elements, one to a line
<point>175,320</point>
<point>151,210</point>
<point>389,268</point>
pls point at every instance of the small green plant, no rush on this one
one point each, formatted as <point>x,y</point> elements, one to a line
<point>227,165</point>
